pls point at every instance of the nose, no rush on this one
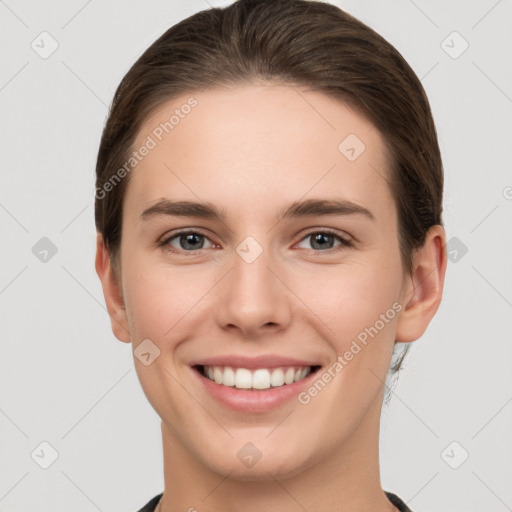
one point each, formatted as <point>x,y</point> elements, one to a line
<point>253,298</point>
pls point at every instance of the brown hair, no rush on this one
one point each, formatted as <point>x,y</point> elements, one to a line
<point>296,42</point>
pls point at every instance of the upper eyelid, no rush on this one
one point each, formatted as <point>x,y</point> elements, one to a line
<point>346,239</point>
<point>166,237</point>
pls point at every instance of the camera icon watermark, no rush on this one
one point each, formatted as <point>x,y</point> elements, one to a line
<point>456,249</point>
<point>249,454</point>
<point>455,455</point>
<point>44,455</point>
<point>44,250</point>
<point>249,249</point>
<point>351,147</point>
<point>454,45</point>
<point>146,352</point>
<point>44,45</point>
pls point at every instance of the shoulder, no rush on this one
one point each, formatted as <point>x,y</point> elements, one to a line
<point>397,502</point>
<point>151,504</point>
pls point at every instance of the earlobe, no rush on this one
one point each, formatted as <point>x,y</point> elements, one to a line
<point>425,287</point>
<point>111,291</point>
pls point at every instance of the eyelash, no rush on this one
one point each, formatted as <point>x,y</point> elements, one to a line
<point>345,243</point>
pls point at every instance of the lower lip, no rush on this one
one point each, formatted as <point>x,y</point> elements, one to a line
<point>254,401</point>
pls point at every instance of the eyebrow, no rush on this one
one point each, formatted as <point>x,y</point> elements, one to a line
<point>206,210</point>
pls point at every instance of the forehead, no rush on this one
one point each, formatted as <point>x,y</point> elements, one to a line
<point>246,140</point>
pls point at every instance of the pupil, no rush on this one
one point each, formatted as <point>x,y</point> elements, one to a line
<point>190,238</point>
<point>321,236</point>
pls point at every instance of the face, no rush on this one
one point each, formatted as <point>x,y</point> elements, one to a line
<point>321,287</point>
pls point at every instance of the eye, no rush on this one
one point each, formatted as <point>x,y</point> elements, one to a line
<point>323,240</point>
<point>187,241</point>
<point>190,241</point>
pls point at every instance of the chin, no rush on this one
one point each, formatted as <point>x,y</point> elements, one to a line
<point>279,466</point>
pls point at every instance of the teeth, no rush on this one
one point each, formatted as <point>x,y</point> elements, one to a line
<point>262,378</point>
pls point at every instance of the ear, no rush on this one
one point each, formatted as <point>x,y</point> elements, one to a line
<point>423,289</point>
<point>112,292</point>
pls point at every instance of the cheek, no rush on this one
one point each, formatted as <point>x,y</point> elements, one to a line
<point>352,298</point>
<point>161,301</point>
<point>360,306</point>
<point>156,306</point>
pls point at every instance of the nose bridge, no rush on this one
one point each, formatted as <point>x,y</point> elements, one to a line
<point>252,296</point>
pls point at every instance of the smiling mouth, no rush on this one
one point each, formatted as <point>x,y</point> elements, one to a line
<point>255,380</point>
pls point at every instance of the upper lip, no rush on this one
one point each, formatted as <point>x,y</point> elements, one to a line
<point>265,361</point>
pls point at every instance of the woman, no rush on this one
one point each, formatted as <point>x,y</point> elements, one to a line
<point>268,207</point>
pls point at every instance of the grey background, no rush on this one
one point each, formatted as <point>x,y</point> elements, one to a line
<point>65,379</point>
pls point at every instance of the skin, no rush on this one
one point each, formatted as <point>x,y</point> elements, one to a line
<point>251,150</point>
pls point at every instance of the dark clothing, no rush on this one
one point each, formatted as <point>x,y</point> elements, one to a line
<point>393,498</point>
<point>151,505</point>
<point>399,504</point>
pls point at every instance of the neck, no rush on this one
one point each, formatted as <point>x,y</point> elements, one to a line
<point>346,479</point>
